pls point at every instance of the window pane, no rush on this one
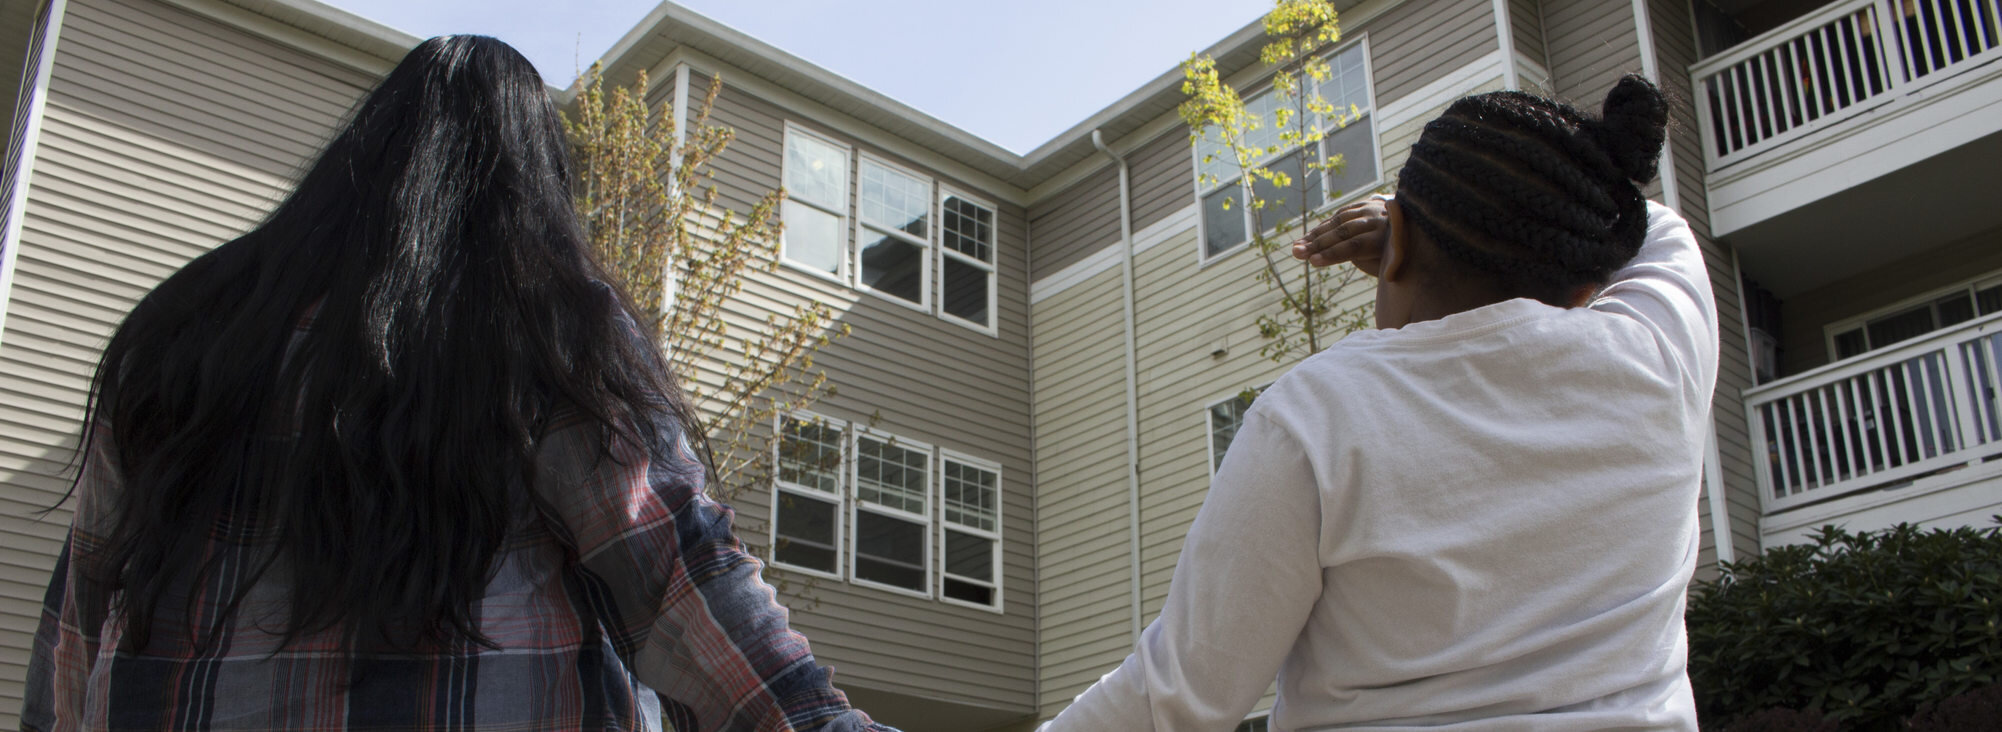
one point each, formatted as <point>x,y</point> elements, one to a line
<point>1225,419</point>
<point>964,591</point>
<point>971,496</point>
<point>1252,725</point>
<point>889,550</point>
<point>1908,324</point>
<point>1215,163</point>
<point>969,556</point>
<point>810,455</point>
<point>1955,309</point>
<point>1989,301</point>
<point>817,172</point>
<point>965,290</point>
<point>892,200</point>
<point>1222,228</point>
<point>813,237</point>
<point>1283,205</point>
<point>1850,343</point>
<point>1356,147</point>
<point>1348,81</point>
<point>893,266</point>
<point>891,476</point>
<point>968,228</point>
<point>805,532</point>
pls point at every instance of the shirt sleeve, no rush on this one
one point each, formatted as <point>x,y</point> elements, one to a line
<point>689,613</point>
<point>1248,576</point>
<point>1667,288</point>
<point>75,606</point>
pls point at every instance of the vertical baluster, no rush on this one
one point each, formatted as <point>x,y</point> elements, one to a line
<point>1887,379</point>
<point>1859,71</point>
<point>1864,426</point>
<point>1803,442</point>
<point>1890,34</point>
<point>1792,429</point>
<point>1830,435</point>
<point>1927,24</point>
<point>1959,388</point>
<point>1993,399</point>
<point>1955,43</point>
<point>1926,389</point>
<point>1739,99</point>
<point>1849,425</point>
<point>1762,120</point>
<point>1803,91</point>
<point>1977,392</point>
<point>1991,11</point>
<point>1775,454</point>
<point>1839,48</point>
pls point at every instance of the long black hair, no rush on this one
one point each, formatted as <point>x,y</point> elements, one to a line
<point>362,378</point>
<point>1535,194</point>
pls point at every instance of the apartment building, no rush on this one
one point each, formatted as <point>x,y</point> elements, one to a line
<point>1049,348</point>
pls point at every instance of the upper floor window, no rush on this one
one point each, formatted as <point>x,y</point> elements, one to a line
<point>1941,309</point>
<point>816,207</point>
<point>915,242</point>
<point>1226,219</point>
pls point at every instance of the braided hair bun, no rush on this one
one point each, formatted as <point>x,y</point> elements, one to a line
<point>1533,193</point>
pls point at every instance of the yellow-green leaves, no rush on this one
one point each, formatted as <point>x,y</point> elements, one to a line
<point>1250,140</point>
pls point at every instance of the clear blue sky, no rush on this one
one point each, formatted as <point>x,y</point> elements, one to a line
<point>1016,73</point>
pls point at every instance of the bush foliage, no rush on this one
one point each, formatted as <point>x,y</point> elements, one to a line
<point>1861,628</point>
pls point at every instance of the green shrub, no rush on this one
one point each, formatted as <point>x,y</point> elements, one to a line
<point>1862,628</point>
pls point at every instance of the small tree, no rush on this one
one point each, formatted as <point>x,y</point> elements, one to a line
<point>1300,34</point>
<point>649,205</point>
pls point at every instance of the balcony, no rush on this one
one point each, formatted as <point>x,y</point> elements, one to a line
<point>1911,432</point>
<point>1843,97</point>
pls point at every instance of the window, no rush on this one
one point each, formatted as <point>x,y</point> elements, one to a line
<point>806,501</point>
<point>1253,725</point>
<point>895,248</point>
<point>970,523</point>
<point>1942,309</point>
<point>892,527</point>
<point>816,207</point>
<point>966,261</point>
<point>1227,221</point>
<point>1225,417</point>
<point>914,243</point>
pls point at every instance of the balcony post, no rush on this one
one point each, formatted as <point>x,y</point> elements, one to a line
<point>1891,43</point>
<point>1960,398</point>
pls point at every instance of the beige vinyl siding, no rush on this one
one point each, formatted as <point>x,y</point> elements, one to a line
<point>1591,44</point>
<point>1525,24</point>
<point>165,134</point>
<point>1675,50</point>
<point>1084,556</point>
<point>1416,43</point>
<point>21,33</point>
<point>1071,224</point>
<point>918,377</point>
<point>1163,177</point>
<point>1807,315</point>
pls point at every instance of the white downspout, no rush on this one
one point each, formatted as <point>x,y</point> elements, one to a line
<point>1132,378</point>
<point>31,133</point>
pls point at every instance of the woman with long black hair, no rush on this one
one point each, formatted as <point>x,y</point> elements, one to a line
<point>399,458</point>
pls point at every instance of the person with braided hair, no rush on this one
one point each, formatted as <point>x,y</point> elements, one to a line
<point>1480,515</point>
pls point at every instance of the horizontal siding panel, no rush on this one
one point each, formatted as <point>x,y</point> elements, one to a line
<point>1417,43</point>
<point>1526,29</point>
<point>1592,43</point>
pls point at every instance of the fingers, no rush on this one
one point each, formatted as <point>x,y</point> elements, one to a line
<point>1355,232</point>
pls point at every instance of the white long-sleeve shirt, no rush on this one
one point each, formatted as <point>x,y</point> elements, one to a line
<point>1482,522</point>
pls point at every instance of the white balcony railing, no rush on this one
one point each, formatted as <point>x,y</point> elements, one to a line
<point>1889,416</point>
<point>1833,64</point>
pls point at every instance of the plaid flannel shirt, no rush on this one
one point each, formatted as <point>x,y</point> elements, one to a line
<point>661,595</point>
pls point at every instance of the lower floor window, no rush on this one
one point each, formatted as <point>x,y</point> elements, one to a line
<point>971,525</point>
<point>807,529</point>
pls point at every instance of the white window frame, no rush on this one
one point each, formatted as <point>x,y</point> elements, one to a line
<point>1970,286</point>
<point>992,327</point>
<point>1265,717</point>
<point>840,498</point>
<point>1203,258</point>
<point>1209,430</point>
<point>929,242</point>
<point>856,506</point>
<point>1000,510</point>
<point>843,275</point>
